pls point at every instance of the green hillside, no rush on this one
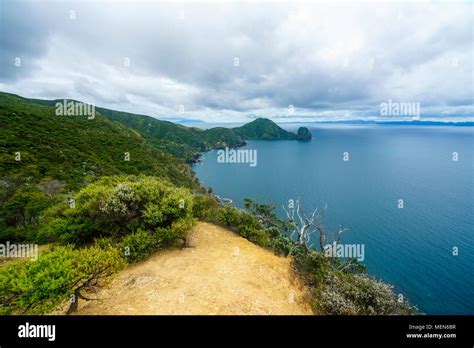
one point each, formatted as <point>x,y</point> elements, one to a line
<point>76,149</point>
<point>219,137</point>
<point>181,141</point>
<point>187,142</point>
<point>264,129</point>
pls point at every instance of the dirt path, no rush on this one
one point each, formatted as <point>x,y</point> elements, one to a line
<point>221,273</point>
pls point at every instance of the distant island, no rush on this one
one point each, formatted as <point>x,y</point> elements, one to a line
<point>401,123</point>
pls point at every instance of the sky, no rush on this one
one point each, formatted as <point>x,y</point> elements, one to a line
<point>235,61</point>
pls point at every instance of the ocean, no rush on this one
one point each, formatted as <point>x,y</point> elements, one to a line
<point>405,192</point>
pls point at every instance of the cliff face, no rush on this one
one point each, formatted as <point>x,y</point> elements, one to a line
<point>304,134</point>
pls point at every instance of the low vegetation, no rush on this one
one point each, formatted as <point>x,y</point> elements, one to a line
<point>37,287</point>
<point>114,221</point>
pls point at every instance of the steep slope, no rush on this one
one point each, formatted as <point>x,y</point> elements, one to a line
<point>75,149</point>
<point>220,273</point>
<point>304,134</point>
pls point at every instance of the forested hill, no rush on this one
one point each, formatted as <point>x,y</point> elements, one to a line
<point>77,149</point>
<point>36,144</point>
<point>181,141</point>
<point>265,129</point>
<point>186,142</point>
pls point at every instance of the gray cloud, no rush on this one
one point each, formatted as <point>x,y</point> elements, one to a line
<point>329,61</point>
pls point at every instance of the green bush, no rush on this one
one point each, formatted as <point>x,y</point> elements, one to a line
<point>72,229</point>
<point>279,243</point>
<point>176,232</point>
<point>204,207</point>
<point>358,294</point>
<point>10,234</point>
<point>117,206</point>
<point>249,227</point>
<point>138,245</point>
<point>37,287</point>
<point>257,236</point>
<point>312,265</point>
<point>104,243</point>
<point>228,216</point>
<point>181,227</point>
<point>244,223</point>
<point>24,207</point>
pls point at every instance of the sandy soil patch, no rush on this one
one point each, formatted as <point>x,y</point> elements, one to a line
<point>220,273</point>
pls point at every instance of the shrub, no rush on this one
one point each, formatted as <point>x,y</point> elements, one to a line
<point>279,243</point>
<point>10,234</point>
<point>228,216</point>
<point>104,243</point>
<point>255,235</point>
<point>313,266</point>
<point>178,231</point>
<point>358,294</point>
<point>138,245</point>
<point>141,244</point>
<point>243,223</point>
<point>24,207</point>
<point>204,207</point>
<point>181,227</point>
<point>116,206</point>
<point>36,287</point>
<point>73,229</point>
<point>52,231</point>
<point>249,227</point>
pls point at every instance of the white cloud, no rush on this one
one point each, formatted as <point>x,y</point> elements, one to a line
<point>329,60</point>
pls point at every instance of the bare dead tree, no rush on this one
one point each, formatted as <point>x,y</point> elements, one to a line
<point>303,225</point>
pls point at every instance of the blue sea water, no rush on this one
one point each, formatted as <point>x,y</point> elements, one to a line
<point>412,247</point>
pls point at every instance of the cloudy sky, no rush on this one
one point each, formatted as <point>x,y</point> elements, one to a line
<point>235,61</point>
